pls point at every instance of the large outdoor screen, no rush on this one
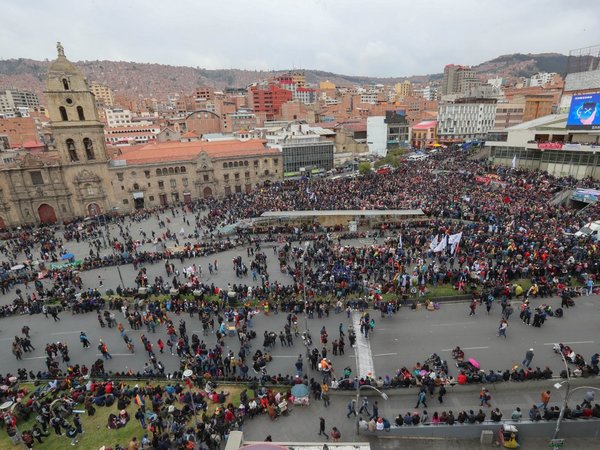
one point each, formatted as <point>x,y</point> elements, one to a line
<point>584,113</point>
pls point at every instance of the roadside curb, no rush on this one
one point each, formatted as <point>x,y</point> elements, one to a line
<point>506,386</point>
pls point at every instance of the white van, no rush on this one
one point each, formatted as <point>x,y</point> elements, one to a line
<point>417,157</point>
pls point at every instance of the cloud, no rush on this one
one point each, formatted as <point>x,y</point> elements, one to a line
<point>354,37</point>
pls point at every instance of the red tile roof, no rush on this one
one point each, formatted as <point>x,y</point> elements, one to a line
<point>186,151</point>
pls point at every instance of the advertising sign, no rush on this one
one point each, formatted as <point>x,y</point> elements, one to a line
<point>584,113</point>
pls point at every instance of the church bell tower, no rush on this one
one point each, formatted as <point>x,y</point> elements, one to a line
<point>78,135</point>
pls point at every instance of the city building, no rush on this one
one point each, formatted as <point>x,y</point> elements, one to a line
<point>173,172</point>
<point>377,135</point>
<point>428,92</point>
<point>118,117</point>
<point>397,129</point>
<point>508,114</point>
<point>548,144</point>
<point>423,134</point>
<point>542,78</point>
<point>303,148</point>
<point>458,80</point>
<point>403,89</point>
<point>326,85</point>
<point>16,102</point>
<point>131,135</point>
<point>104,95</point>
<point>538,105</point>
<point>268,98</point>
<point>465,119</point>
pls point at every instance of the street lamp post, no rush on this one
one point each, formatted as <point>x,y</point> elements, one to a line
<point>558,385</point>
<point>114,209</point>
<point>306,244</point>
<point>358,389</point>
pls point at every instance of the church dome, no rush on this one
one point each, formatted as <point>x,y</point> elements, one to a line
<point>61,65</point>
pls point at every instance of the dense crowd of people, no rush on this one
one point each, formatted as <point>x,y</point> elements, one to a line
<point>510,234</point>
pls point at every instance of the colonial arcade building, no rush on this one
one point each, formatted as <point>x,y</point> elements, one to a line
<point>79,176</point>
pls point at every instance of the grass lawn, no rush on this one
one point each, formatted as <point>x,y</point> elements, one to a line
<point>96,432</point>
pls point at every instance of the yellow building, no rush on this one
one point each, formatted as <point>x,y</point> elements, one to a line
<point>403,89</point>
<point>326,85</point>
<point>104,95</point>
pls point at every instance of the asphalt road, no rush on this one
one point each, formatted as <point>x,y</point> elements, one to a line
<point>405,338</point>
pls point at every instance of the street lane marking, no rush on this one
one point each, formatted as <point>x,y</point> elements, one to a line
<point>574,342</point>
<point>36,357</point>
<point>364,360</point>
<point>464,348</point>
<point>65,332</point>
<point>449,324</point>
<point>386,354</point>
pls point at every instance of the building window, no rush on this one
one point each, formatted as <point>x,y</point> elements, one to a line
<point>224,165</point>
<point>184,181</point>
<point>65,83</point>
<point>247,174</point>
<point>173,183</point>
<point>266,172</point>
<point>158,172</point>
<point>151,198</point>
<point>182,169</point>
<point>161,184</point>
<point>136,186</point>
<point>236,176</point>
<point>125,201</point>
<point>120,176</point>
<point>80,113</point>
<point>255,163</point>
<point>176,169</point>
<point>89,149</point>
<point>226,177</point>
<point>63,113</point>
<point>245,163</point>
<point>72,150</point>
<point>235,164</point>
<point>205,177</point>
<point>147,173</point>
<point>171,171</point>
<point>275,161</point>
<point>89,189</point>
<point>227,190</point>
<point>36,178</point>
<point>238,189</point>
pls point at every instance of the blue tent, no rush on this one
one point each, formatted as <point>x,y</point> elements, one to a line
<point>67,256</point>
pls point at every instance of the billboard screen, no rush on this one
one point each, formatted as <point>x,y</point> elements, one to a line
<point>584,113</point>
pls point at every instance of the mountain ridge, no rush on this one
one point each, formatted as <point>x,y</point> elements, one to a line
<point>158,80</point>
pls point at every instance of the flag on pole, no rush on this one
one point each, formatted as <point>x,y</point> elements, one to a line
<point>434,243</point>
<point>514,161</point>
<point>454,240</point>
<point>442,245</point>
<point>400,242</point>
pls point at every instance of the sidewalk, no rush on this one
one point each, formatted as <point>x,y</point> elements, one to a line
<point>303,423</point>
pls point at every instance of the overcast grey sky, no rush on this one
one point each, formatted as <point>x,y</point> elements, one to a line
<point>353,37</point>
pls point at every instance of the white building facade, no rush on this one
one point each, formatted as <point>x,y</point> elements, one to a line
<point>466,119</point>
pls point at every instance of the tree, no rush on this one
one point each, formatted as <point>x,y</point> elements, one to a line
<point>364,167</point>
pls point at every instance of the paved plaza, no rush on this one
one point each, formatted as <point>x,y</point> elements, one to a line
<point>402,339</point>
